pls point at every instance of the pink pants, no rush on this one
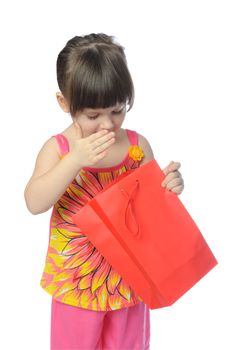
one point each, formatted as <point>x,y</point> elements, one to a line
<point>76,328</point>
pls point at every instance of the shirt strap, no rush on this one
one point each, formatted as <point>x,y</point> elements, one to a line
<point>62,143</point>
<point>133,137</point>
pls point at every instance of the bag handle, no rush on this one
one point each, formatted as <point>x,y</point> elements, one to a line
<point>129,212</point>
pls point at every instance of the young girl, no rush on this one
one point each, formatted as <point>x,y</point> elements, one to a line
<point>92,306</point>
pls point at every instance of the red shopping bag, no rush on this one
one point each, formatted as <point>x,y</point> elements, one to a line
<point>147,235</point>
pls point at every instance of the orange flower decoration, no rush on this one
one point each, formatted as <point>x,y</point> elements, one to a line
<point>135,152</point>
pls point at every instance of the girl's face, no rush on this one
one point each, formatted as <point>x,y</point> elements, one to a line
<point>94,120</point>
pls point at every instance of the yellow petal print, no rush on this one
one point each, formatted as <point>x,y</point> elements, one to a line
<point>63,276</point>
<point>76,189</point>
<point>81,270</point>
<point>58,260</point>
<point>76,193</point>
<point>89,183</point>
<point>85,282</point>
<point>65,214</point>
<point>113,280</point>
<point>94,304</point>
<point>102,295</point>
<point>105,178</point>
<point>86,298</point>
<point>124,290</point>
<point>51,288</point>
<point>58,240</point>
<point>78,258</point>
<point>57,221</point>
<point>75,245</point>
<point>69,231</point>
<point>69,204</point>
<point>72,295</point>
<point>115,301</point>
<point>100,275</point>
<point>65,287</point>
<point>46,280</point>
<point>91,263</point>
<point>49,267</point>
<point>119,172</point>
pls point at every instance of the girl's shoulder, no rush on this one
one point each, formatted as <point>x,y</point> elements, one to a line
<point>146,147</point>
<point>48,156</point>
<point>65,136</point>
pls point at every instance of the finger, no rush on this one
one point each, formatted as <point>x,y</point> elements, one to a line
<point>101,150</point>
<point>105,145</point>
<point>172,182</point>
<point>78,131</point>
<point>103,139</point>
<point>178,189</point>
<point>95,136</point>
<point>173,175</point>
<point>173,166</point>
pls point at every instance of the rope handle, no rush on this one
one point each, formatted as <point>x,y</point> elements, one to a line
<point>129,212</point>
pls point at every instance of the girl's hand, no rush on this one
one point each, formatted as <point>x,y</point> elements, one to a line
<point>89,150</point>
<point>173,180</point>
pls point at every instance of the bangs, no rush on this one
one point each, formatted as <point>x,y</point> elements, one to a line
<point>100,79</point>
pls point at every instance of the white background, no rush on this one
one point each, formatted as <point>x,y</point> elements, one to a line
<point>189,62</point>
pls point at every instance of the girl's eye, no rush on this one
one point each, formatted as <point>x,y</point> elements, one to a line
<point>93,117</point>
<point>117,112</point>
<point>113,112</point>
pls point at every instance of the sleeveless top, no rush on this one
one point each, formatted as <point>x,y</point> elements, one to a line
<point>75,273</point>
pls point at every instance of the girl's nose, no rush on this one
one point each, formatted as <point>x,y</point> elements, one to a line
<point>106,123</point>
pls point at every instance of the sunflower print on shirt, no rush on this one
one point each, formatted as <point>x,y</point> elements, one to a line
<point>75,272</point>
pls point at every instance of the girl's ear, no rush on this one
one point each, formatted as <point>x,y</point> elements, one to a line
<point>62,102</point>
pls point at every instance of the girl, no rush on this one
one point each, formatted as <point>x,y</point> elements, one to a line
<point>92,307</point>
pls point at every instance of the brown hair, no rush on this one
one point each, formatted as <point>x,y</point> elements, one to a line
<point>92,72</point>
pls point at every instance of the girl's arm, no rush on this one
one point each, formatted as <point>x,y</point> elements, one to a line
<point>50,178</point>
